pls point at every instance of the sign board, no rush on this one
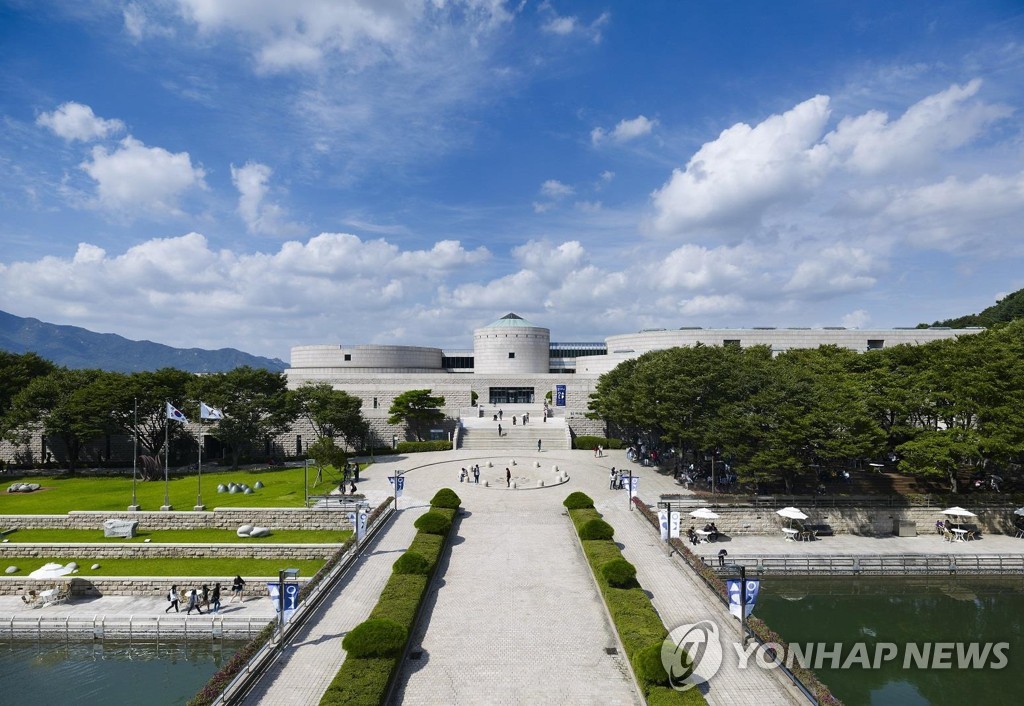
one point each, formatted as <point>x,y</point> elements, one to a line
<point>674,525</point>
<point>291,598</point>
<point>663,523</point>
<point>634,486</point>
<point>399,484</point>
<point>559,395</point>
<point>734,591</point>
<point>361,524</point>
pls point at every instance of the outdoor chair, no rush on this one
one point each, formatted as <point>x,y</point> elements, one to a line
<point>947,535</point>
<point>973,534</point>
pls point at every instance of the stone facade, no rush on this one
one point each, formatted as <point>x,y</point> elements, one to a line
<point>220,518</point>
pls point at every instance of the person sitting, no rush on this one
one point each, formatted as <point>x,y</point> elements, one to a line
<point>713,530</point>
<point>694,537</point>
<point>939,527</point>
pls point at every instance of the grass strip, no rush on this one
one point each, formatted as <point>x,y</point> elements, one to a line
<point>637,622</point>
<point>190,536</point>
<point>175,567</point>
<point>364,681</point>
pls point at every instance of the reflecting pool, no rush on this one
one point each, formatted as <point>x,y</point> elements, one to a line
<point>43,674</point>
<point>910,613</point>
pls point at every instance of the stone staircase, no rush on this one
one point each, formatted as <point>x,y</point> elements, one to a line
<point>481,434</point>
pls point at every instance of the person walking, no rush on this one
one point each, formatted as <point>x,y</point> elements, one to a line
<point>205,596</point>
<point>172,597</point>
<point>193,603</point>
<point>237,586</point>
<point>499,415</point>
<point>721,558</point>
<point>611,479</point>
<point>476,474</point>
<point>499,430</point>
<point>508,477</point>
<point>538,445</point>
<point>215,597</point>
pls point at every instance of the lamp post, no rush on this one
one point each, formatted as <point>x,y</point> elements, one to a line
<point>743,602</point>
<point>394,441</point>
<point>135,456</point>
<point>281,576</point>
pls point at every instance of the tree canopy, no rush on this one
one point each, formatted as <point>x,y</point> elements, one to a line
<point>417,409</point>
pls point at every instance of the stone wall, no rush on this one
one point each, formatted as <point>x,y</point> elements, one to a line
<point>220,518</point>
<point>870,522</point>
<point>314,552</point>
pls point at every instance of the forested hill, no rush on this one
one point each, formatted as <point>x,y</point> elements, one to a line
<point>1009,308</point>
<point>75,347</point>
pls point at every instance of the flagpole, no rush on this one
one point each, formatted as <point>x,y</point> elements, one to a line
<point>199,496</point>
<point>135,456</point>
<point>167,458</point>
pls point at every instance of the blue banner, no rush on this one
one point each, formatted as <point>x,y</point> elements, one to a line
<point>559,395</point>
<point>734,590</point>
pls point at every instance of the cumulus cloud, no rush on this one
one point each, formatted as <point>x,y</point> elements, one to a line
<point>566,25</point>
<point>139,25</point>
<point>134,178</point>
<point>74,121</point>
<point>625,130</point>
<point>260,215</point>
<point>856,319</point>
<point>834,270</point>
<point>554,191</point>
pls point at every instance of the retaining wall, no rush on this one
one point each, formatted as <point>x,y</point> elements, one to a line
<point>218,518</point>
<point>13,551</point>
<point>158,587</point>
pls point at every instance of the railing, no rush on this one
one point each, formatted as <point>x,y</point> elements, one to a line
<point>250,674</point>
<point>131,628</point>
<point>880,564</point>
<point>772,502</point>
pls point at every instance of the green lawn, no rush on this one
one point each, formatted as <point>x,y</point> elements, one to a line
<point>197,536</point>
<point>215,568</point>
<point>59,495</point>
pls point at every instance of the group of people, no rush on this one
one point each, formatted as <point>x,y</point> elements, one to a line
<point>711,532</point>
<point>598,451</point>
<point>618,480</point>
<point>472,470</point>
<point>204,597</point>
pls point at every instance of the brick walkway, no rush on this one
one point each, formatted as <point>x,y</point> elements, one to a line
<point>313,658</point>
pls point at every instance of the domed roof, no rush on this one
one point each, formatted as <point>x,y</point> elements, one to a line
<point>511,320</point>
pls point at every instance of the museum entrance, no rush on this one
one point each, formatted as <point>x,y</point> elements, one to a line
<point>511,395</point>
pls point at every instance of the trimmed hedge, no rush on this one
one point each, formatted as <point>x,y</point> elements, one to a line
<point>619,573</point>
<point>590,443</point>
<point>433,522</point>
<point>412,563</point>
<point>637,622</point>
<point>446,498</point>
<point>363,681</point>
<point>415,447</point>
<point>578,501</point>
<point>596,529</point>
<point>376,637</point>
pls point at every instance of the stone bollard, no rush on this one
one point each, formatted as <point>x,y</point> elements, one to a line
<point>511,462</point>
<point>514,485</point>
<point>536,464</point>
<point>540,483</point>
<point>490,465</point>
<point>487,484</point>
<point>555,469</point>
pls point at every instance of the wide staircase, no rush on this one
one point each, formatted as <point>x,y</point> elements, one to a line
<point>481,433</point>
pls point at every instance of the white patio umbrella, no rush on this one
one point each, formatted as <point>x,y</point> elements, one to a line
<point>703,513</point>
<point>958,512</point>
<point>791,513</point>
<point>50,571</point>
<point>1019,511</point>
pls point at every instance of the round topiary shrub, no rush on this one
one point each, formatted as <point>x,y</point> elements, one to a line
<point>578,501</point>
<point>619,573</point>
<point>446,498</point>
<point>412,563</point>
<point>596,529</point>
<point>377,637</point>
<point>648,666</point>
<point>433,523</point>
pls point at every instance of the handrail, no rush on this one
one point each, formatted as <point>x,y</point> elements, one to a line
<point>247,677</point>
<point>880,564</point>
<point>830,501</point>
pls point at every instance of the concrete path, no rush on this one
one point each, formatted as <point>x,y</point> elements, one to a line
<point>312,659</point>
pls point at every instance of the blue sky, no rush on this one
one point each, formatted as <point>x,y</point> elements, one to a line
<point>258,174</point>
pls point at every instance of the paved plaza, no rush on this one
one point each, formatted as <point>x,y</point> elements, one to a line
<point>514,616</point>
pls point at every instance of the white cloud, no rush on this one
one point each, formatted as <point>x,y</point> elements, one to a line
<point>135,179</point>
<point>836,269</point>
<point>554,189</point>
<point>566,25</point>
<point>714,305</point>
<point>735,177</point>
<point>260,216</point>
<point>138,25</point>
<point>625,130</point>
<point>870,143</point>
<point>856,319</point>
<point>74,121</point>
<point>561,25</point>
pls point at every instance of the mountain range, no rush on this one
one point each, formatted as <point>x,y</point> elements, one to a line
<point>75,347</point>
<point>1009,308</point>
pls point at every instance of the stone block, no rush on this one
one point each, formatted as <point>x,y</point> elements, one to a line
<point>120,528</point>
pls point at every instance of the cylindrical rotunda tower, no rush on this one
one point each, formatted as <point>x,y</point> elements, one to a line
<point>511,345</point>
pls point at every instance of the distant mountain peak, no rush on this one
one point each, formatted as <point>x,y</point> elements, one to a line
<point>76,347</point>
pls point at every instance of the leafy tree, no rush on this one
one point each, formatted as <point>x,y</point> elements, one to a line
<point>16,372</point>
<point>332,413</point>
<point>67,410</point>
<point>417,409</point>
<point>324,452</point>
<point>939,454</point>
<point>255,403</point>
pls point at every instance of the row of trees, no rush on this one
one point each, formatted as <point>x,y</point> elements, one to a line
<point>80,406</point>
<point>937,409</point>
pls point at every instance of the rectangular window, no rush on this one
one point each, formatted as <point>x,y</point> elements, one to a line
<point>876,344</point>
<point>731,342</point>
<point>510,395</point>
<point>375,403</point>
<point>348,357</point>
<point>511,355</point>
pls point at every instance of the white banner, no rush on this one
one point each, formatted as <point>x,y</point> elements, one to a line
<point>663,523</point>
<point>674,526</point>
<point>634,485</point>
